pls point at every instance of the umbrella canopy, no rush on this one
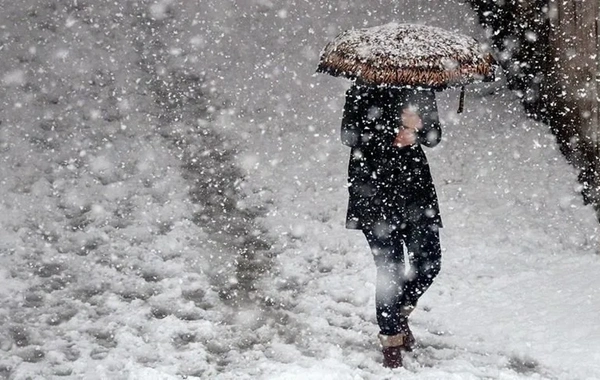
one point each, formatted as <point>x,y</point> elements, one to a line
<point>407,55</point>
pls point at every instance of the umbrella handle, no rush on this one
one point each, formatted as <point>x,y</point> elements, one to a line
<point>461,100</point>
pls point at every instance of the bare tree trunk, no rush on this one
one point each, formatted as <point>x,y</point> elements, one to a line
<point>571,86</point>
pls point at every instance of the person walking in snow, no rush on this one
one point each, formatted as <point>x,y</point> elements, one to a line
<point>393,201</point>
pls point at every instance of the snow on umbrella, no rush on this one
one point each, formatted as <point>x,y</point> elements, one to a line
<point>407,55</point>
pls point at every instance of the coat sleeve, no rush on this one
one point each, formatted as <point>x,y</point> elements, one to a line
<point>431,133</point>
<point>351,131</point>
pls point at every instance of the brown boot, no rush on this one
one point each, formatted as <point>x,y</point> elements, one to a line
<point>392,350</point>
<point>392,357</point>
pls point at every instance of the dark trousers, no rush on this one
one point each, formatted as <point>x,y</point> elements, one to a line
<point>397,289</point>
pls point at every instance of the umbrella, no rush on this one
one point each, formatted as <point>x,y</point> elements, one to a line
<point>408,55</point>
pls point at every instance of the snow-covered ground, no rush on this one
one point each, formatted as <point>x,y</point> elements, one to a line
<point>117,260</point>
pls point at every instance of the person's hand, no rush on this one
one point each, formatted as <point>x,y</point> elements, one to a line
<point>411,123</point>
<point>405,137</point>
<point>411,119</point>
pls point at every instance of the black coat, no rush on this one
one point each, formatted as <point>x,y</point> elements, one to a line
<point>389,186</point>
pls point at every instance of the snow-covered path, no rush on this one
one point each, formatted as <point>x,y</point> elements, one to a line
<point>518,295</point>
<point>108,274</point>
